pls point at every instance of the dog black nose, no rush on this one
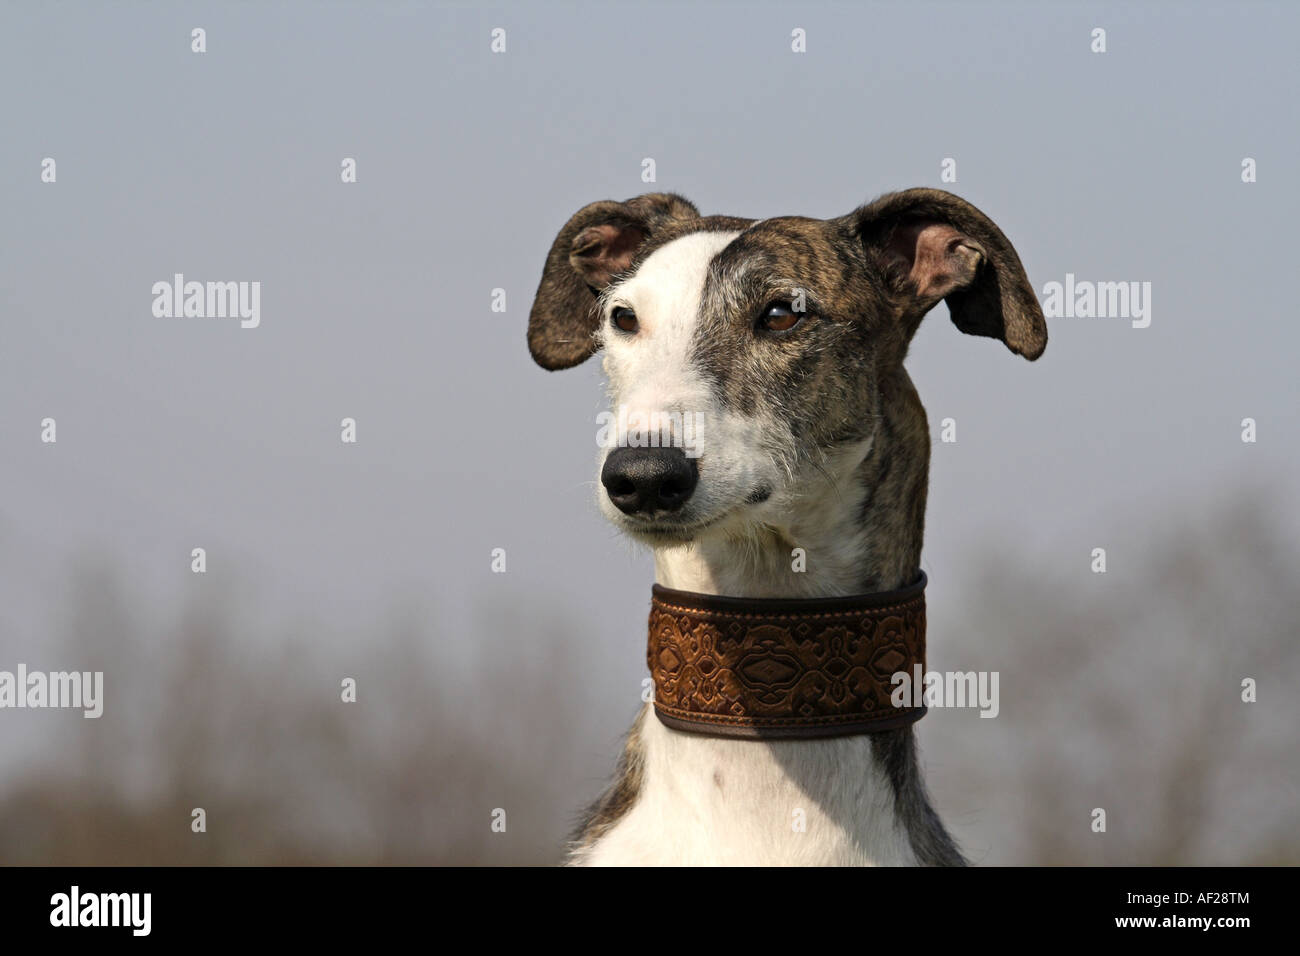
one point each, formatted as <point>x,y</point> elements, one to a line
<point>648,479</point>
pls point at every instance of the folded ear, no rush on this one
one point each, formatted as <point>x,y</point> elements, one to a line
<point>595,245</point>
<point>934,245</point>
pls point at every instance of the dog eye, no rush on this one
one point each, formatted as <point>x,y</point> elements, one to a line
<point>624,319</point>
<point>779,317</point>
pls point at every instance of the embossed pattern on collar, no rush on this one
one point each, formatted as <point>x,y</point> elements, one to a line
<point>778,668</point>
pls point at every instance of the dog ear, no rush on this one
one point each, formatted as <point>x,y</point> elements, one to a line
<point>595,245</point>
<point>934,245</point>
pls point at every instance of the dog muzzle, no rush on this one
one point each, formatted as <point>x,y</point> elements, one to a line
<point>778,668</point>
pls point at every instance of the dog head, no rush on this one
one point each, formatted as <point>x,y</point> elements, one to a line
<point>745,356</point>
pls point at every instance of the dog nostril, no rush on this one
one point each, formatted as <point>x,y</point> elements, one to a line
<point>621,486</point>
<point>671,491</point>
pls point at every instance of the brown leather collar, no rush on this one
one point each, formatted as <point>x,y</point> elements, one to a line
<point>777,667</point>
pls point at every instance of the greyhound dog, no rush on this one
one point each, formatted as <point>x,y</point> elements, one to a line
<point>786,338</point>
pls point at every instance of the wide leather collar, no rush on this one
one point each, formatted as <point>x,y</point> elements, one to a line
<point>777,667</point>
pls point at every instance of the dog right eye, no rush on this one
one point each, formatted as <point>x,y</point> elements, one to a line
<point>779,317</point>
<point>624,319</point>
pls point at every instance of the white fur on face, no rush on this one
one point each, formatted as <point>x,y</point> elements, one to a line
<point>730,546</point>
<point>814,513</point>
<point>653,372</point>
<point>653,367</point>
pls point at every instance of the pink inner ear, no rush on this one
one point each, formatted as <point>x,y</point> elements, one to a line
<point>940,258</point>
<point>600,252</point>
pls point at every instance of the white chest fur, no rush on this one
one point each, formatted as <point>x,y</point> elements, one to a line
<point>714,801</point>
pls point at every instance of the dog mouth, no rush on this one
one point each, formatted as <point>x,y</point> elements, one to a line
<point>666,528</point>
<point>664,531</point>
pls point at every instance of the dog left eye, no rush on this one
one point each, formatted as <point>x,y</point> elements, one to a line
<point>624,319</point>
<point>779,317</point>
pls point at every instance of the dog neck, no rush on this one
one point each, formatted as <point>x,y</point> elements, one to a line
<point>854,525</point>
